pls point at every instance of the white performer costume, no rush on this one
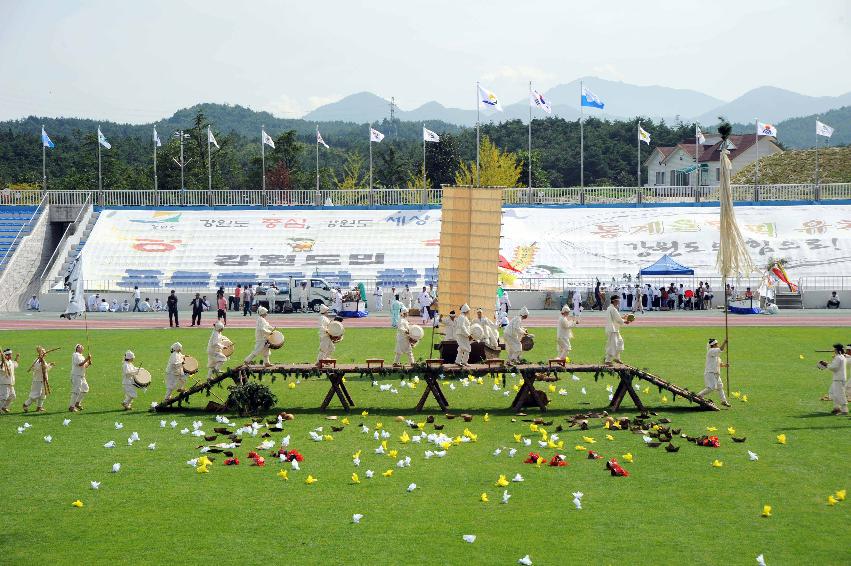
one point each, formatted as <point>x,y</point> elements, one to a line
<point>262,330</point>
<point>405,296</point>
<point>215,357</point>
<point>79,385</point>
<point>577,304</point>
<point>7,382</point>
<point>491,338</point>
<point>513,333</point>
<point>712,372</point>
<point>424,301</point>
<point>838,394</point>
<point>379,299</point>
<point>304,298</point>
<point>128,372</point>
<point>174,377</point>
<point>38,391</point>
<point>614,341</point>
<point>403,342</point>
<point>462,336</point>
<point>564,333</point>
<point>326,345</point>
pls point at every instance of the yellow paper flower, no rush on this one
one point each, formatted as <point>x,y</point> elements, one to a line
<point>606,425</point>
<point>518,438</point>
<point>579,447</point>
<point>560,444</point>
<point>831,500</point>
<point>204,461</point>
<point>552,388</point>
<point>717,464</point>
<point>736,394</point>
<point>327,437</point>
<point>711,428</point>
<point>744,398</point>
<point>445,445</point>
<point>284,475</point>
<point>421,425</point>
<point>404,439</point>
<point>800,356</point>
<point>483,497</point>
<point>356,455</point>
<point>355,478</point>
<point>628,457</point>
<point>202,469</point>
<point>731,431</point>
<point>291,384</point>
<point>664,398</point>
<point>379,425</point>
<point>310,480</point>
<point>77,503</point>
<point>364,413</point>
<point>533,427</point>
<point>840,495</point>
<point>502,481</point>
<point>393,453</point>
<point>540,461</point>
<point>781,438</point>
<point>646,390</point>
<point>486,418</point>
<point>588,439</point>
<point>551,444</point>
<point>384,445</point>
<point>609,437</point>
<point>345,421</point>
<point>616,424</point>
<point>766,510</point>
<point>388,473</point>
<point>456,441</point>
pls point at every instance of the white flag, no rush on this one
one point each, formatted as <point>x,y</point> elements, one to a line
<point>211,138</point>
<point>102,140</point>
<point>823,129</point>
<point>701,139</point>
<point>539,101</point>
<point>430,136</point>
<point>765,130</point>
<point>267,139</point>
<point>74,285</point>
<point>157,141</point>
<point>488,99</point>
<point>320,140</point>
<point>643,135</point>
<point>375,135</point>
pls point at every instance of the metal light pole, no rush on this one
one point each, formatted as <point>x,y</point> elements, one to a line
<point>180,135</point>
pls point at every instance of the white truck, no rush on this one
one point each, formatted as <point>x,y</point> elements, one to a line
<point>288,296</point>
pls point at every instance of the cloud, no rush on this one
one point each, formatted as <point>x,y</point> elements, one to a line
<point>286,106</point>
<point>518,74</point>
<point>314,102</point>
<point>608,71</point>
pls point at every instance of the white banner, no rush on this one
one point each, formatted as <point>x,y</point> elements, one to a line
<point>205,248</point>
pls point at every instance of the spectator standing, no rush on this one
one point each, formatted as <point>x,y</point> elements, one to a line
<point>379,298</point>
<point>222,305</point>
<point>171,303</point>
<point>233,300</point>
<point>197,305</point>
<point>137,297</point>
<point>707,296</point>
<point>247,297</point>
<point>598,298</point>
<point>504,303</point>
<point>406,297</point>
<point>424,301</point>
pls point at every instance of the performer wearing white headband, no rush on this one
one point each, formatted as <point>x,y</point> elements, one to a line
<point>79,385</point>
<point>712,371</point>
<point>217,342</point>
<point>462,336</point>
<point>128,372</point>
<point>7,380</point>
<point>261,335</point>
<point>40,385</point>
<point>564,333</point>
<point>403,339</point>
<point>326,344</point>
<point>513,334</point>
<point>175,379</point>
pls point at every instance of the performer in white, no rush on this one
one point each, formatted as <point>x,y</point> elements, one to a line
<point>262,330</point>
<point>7,380</point>
<point>326,344</point>
<point>614,322</point>
<point>513,334</point>
<point>304,296</point>
<point>406,297</point>
<point>577,303</point>
<point>128,372</point>
<point>449,326</point>
<point>379,298</point>
<point>215,356</point>
<point>564,333</point>
<point>504,303</point>
<point>462,336</point>
<point>491,338</point>
<point>424,301</point>
<point>175,379</point>
<point>403,339</point>
<point>40,386</point>
<point>79,385</point>
<point>712,371</point>
<point>837,367</point>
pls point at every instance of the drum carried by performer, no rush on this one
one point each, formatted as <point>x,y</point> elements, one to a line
<point>219,349</point>
<point>262,333</point>
<point>517,338</point>
<point>175,375</point>
<point>40,385</point>
<point>330,332</point>
<point>405,340</point>
<point>129,375</point>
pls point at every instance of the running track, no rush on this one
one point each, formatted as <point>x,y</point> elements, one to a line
<point>125,321</point>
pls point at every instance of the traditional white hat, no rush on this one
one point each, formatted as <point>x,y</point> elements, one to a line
<point>323,309</point>
<point>262,311</point>
<point>129,355</point>
<point>7,351</point>
<point>712,342</point>
<point>465,308</point>
<point>524,312</point>
<point>219,326</point>
<point>176,347</point>
<point>565,308</point>
<point>77,347</point>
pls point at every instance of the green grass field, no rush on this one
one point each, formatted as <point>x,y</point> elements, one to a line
<point>675,508</point>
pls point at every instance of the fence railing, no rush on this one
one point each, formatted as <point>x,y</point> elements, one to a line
<point>13,247</point>
<point>418,196</point>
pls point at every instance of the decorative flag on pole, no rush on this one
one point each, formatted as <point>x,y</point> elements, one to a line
<point>766,130</point>
<point>701,139</point>
<point>643,135</point>
<point>211,138</point>
<point>821,130</point>
<point>45,139</point>
<point>375,135</point>
<point>539,101</point>
<point>778,271</point>
<point>488,99</point>
<point>430,136</point>
<point>733,257</point>
<point>102,140</point>
<point>320,140</point>
<point>157,141</point>
<point>267,139</point>
<point>74,286</point>
<point>588,98</point>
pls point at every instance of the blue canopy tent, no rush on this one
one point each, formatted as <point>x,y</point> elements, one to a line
<point>666,265</point>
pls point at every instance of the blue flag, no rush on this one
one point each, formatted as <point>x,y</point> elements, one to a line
<point>591,99</point>
<point>45,140</point>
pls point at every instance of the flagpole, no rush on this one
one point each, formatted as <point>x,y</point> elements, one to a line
<point>370,157</point>
<point>263,155</point>
<point>209,163</point>
<point>638,163</point>
<point>44,162</point>
<point>155,158</point>
<point>530,139</point>
<point>817,142</point>
<point>425,187</point>
<point>478,103</point>
<point>100,178</point>
<point>756,172</point>
<point>581,140</point>
<point>696,164</point>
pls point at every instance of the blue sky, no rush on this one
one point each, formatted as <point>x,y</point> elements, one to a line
<point>142,60</point>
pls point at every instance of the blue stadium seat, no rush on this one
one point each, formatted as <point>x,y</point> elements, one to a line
<point>144,278</point>
<point>235,278</point>
<point>190,279</point>
<point>398,277</point>
<point>337,278</point>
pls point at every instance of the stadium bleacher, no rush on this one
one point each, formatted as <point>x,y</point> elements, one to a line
<point>12,220</point>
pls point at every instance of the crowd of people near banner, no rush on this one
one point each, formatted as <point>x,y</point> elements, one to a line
<point>637,297</point>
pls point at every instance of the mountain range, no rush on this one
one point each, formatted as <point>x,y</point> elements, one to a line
<point>623,101</point>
